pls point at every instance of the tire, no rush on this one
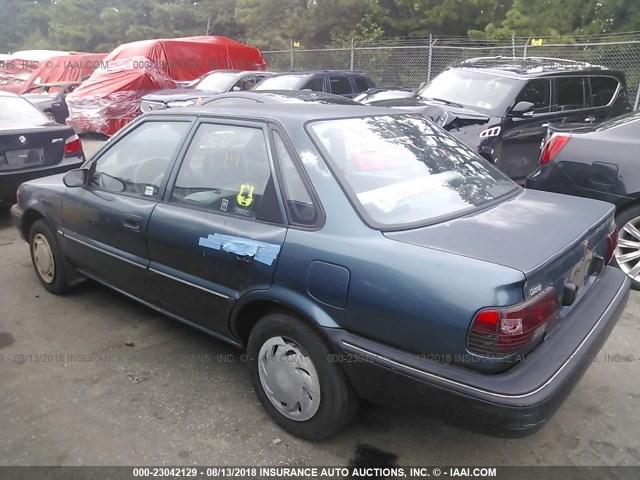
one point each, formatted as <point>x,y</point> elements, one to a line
<point>319,399</point>
<point>627,218</point>
<point>46,258</point>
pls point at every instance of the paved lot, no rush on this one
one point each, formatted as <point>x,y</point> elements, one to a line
<point>94,378</point>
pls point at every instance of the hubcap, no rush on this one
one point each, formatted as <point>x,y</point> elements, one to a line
<point>43,257</point>
<point>627,252</point>
<point>289,378</point>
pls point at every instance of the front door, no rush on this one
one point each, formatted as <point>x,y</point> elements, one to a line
<point>522,136</point>
<point>219,232</point>
<point>104,224</point>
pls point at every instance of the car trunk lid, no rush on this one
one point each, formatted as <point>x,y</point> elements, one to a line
<point>32,147</point>
<point>548,237</point>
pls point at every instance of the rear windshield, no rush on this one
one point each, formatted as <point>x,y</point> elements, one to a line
<point>281,82</point>
<point>217,82</point>
<point>402,170</point>
<point>18,112</point>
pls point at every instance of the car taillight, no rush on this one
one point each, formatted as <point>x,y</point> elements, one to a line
<point>73,145</point>
<point>553,146</point>
<point>612,243</point>
<point>500,331</point>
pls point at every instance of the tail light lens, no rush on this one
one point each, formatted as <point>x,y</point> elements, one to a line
<point>502,331</point>
<point>73,146</point>
<point>612,243</point>
<point>553,146</point>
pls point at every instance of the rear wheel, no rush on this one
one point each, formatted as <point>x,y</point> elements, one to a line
<point>297,383</point>
<point>627,253</point>
<point>47,259</point>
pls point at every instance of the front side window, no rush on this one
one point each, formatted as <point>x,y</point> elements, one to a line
<point>340,86</point>
<point>362,84</point>
<point>537,92</point>
<point>226,170</point>
<point>315,84</point>
<point>137,163</point>
<point>570,93</point>
<point>402,170</point>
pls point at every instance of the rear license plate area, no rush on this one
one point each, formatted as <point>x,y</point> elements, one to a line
<point>29,157</point>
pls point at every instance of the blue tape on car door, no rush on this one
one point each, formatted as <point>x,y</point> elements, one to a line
<point>260,251</point>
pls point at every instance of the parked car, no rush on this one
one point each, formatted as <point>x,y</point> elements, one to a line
<point>51,99</point>
<point>355,252</point>
<point>205,87</point>
<point>32,146</point>
<point>339,82</point>
<point>600,162</point>
<point>500,107</point>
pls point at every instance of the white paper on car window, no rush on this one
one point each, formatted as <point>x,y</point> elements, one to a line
<point>389,197</point>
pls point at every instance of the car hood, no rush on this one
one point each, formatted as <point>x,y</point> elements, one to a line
<point>525,232</point>
<point>447,116</point>
<point>177,95</point>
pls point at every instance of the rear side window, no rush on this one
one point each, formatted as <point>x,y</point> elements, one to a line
<point>16,111</point>
<point>537,92</point>
<point>315,84</point>
<point>362,84</point>
<point>340,86</point>
<point>570,93</point>
<point>602,90</point>
<point>300,207</point>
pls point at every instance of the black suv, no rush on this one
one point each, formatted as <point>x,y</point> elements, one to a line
<point>346,83</point>
<point>501,106</point>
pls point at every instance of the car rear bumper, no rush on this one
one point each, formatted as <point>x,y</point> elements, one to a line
<point>11,180</point>
<point>514,403</point>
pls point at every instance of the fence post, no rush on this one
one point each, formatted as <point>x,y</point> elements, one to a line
<point>513,46</point>
<point>430,58</point>
<point>352,53</point>
<point>291,59</point>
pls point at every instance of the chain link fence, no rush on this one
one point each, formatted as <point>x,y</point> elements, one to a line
<point>404,64</point>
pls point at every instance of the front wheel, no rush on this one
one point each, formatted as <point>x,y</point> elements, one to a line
<point>627,253</point>
<point>295,380</point>
<point>47,259</point>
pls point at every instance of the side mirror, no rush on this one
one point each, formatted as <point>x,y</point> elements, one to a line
<point>522,109</point>
<point>422,85</point>
<point>76,178</point>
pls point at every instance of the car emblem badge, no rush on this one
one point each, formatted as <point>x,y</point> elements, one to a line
<point>22,139</point>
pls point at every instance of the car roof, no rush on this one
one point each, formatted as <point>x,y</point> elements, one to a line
<point>321,72</point>
<point>293,113</point>
<point>7,94</point>
<point>530,67</point>
<point>284,96</point>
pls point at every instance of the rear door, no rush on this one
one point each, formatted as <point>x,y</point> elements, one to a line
<point>104,224</point>
<point>220,230</point>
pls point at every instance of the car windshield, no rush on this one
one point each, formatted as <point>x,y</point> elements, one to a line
<point>217,82</point>
<point>480,91</point>
<point>18,112</point>
<point>403,170</point>
<point>280,82</point>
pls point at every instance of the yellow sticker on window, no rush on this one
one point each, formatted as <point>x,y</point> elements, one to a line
<point>245,195</point>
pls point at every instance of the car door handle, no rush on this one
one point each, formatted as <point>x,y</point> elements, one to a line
<point>131,221</point>
<point>243,252</point>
